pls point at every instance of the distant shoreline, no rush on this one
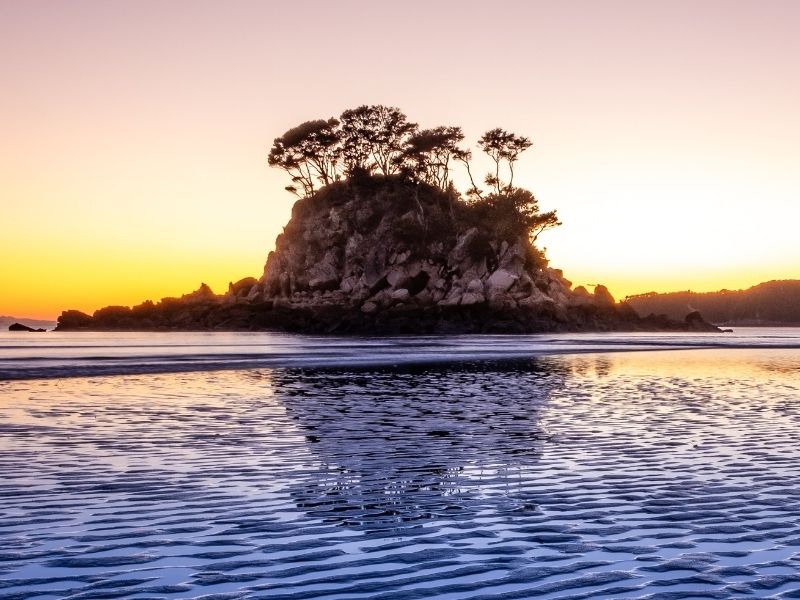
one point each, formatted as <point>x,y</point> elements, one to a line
<point>769,304</point>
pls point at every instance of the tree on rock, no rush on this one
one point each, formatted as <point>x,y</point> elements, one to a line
<point>502,145</point>
<point>309,152</point>
<point>428,153</point>
<point>463,156</point>
<point>511,214</point>
<point>373,137</point>
<point>525,206</point>
<point>380,140</point>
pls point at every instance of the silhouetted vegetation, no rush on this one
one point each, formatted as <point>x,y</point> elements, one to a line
<point>511,214</point>
<point>502,145</point>
<point>309,152</point>
<point>428,153</point>
<point>376,140</point>
<point>373,138</point>
<point>769,303</point>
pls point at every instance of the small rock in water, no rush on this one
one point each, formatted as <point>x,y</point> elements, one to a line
<point>438,433</point>
<point>21,327</point>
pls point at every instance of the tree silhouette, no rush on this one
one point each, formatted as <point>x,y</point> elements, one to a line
<point>428,153</point>
<point>527,206</point>
<point>357,134</point>
<point>374,133</point>
<point>463,156</point>
<point>514,213</point>
<point>308,152</point>
<point>377,138</point>
<point>502,145</point>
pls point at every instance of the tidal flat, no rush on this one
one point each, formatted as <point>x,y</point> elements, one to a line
<point>663,474</point>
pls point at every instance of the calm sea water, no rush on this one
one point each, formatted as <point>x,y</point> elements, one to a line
<point>273,466</point>
<point>61,354</point>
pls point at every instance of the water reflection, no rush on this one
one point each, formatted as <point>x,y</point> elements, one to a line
<point>398,447</point>
<point>636,475</point>
<point>768,366</point>
<point>596,366</point>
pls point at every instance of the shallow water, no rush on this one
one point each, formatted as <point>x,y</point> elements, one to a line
<point>670,474</point>
<point>65,354</point>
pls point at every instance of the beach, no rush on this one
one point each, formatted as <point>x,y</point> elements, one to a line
<point>617,466</point>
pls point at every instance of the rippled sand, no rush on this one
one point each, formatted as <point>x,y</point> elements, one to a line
<point>635,475</point>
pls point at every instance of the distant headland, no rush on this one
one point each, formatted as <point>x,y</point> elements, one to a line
<point>772,303</point>
<point>380,241</point>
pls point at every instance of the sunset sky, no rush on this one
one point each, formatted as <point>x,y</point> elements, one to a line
<point>134,135</point>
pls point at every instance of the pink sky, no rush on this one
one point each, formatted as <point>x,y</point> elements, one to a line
<point>133,135</point>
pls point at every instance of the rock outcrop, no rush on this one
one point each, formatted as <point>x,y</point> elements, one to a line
<point>384,255</point>
<point>21,327</point>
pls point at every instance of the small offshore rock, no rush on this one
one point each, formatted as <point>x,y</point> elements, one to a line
<point>21,327</point>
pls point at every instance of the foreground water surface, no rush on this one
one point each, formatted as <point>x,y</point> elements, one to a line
<point>664,474</point>
<point>67,354</point>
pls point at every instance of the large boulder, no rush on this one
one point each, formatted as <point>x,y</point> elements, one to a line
<point>400,295</point>
<point>324,275</point>
<point>241,289</point>
<point>474,293</point>
<point>581,297</point>
<point>375,264</point>
<point>460,254</point>
<point>602,297</point>
<point>500,281</point>
<point>513,258</point>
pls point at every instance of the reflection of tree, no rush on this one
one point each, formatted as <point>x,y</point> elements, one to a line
<point>399,446</point>
<point>779,365</point>
<point>598,366</point>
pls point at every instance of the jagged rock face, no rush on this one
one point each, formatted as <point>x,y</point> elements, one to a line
<point>376,252</point>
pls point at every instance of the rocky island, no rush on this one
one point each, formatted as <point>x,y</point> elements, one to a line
<point>380,241</point>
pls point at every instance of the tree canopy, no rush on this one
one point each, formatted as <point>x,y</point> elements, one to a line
<point>308,152</point>
<point>428,153</point>
<point>380,140</point>
<point>502,145</point>
<point>373,138</point>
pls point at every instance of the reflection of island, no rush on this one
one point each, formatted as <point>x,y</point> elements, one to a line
<point>400,447</point>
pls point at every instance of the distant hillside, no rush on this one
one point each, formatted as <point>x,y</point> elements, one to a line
<point>770,303</point>
<point>5,321</point>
